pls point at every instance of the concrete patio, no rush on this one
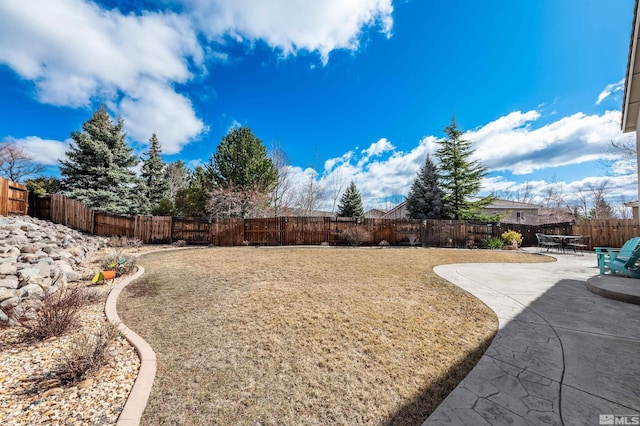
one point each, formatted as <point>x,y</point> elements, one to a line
<point>563,355</point>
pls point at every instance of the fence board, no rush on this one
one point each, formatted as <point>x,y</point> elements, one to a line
<point>227,232</point>
<point>109,224</point>
<point>153,229</point>
<point>72,213</point>
<point>264,231</point>
<point>192,230</point>
<point>39,207</point>
<point>14,198</point>
<point>307,230</point>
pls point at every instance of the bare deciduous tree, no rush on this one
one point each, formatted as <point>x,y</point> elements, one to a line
<point>336,183</point>
<point>281,194</point>
<point>626,148</point>
<point>177,177</point>
<point>309,195</point>
<point>621,210</point>
<point>235,203</point>
<point>16,164</point>
<point>523,194</point>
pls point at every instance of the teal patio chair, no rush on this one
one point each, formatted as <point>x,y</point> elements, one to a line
<point>618,257</point>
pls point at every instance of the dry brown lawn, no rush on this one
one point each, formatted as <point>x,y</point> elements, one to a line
<point>291,336</point>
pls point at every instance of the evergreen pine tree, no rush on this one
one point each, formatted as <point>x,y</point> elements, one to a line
<point>241,163</point>
<point>155,184</point>
<point>460,177</point>
<point>97,170</point>
<point>351,203</point>
<point>425,197</point>
<point>241,170</point>
<point>192,200</point>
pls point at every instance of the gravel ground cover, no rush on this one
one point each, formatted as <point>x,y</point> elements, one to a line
<point>28,398</point>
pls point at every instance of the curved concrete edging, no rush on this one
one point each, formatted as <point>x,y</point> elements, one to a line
<point>139,395</point>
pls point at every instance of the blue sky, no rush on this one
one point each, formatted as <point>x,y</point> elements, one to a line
<point>350,90</point>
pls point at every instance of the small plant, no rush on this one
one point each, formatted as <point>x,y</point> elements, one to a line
<point>181,243</point>
<point>413,240</point>
<point>87,353</point>
<point>122,264</point>
<point>384,243</point>
<point>356,236</point>
<point>471,243</point>
<point>493,243</point>
<point>56,314</point>
<point>512,238</point>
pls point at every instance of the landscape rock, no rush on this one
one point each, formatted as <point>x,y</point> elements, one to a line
<point>10,281</point>
<point>39,257</point>
<point>29,248</point>
<point>32,291</point>
<point>9,304</point>
<point>7,268</point>
<point>5,294</point>
<point>73,276</point>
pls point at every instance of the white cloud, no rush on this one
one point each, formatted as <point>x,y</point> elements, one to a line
<point>75,52</point>
<point>153,107</point>
<point>377,148</point>
<point>609,90</point>
<point>510,144</point>
<point>293,25</point>
<point>43,151</point>
<point>332,162</point>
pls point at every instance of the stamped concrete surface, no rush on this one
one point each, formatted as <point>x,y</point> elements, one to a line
<point>562,356</point>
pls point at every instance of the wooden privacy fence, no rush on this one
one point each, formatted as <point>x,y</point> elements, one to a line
<point>14,198</point>
<point>314,230</point>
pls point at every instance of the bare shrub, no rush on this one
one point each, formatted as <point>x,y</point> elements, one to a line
<point>124,241</point>
<point>181,243</point>
<point>356,236</point>
<point>56,314</point>
<point>413,240</point>
<point>87,353</point>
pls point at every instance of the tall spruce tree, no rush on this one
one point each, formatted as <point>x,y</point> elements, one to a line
<point>425,197</point>
<point>241,169</point>
<point>460,177</point>
<point>97,170</point>
<point>154,182</point>
<point>351,203</point>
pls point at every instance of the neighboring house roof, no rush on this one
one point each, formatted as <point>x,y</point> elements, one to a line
<point>375,213</point>
<point>511,205</point>
<point>631,101</point>
<point>393,213</point>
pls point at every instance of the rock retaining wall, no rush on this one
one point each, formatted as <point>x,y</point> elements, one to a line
<point>38,257</point>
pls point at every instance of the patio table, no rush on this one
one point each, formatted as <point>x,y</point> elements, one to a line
<point>566,240</point>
